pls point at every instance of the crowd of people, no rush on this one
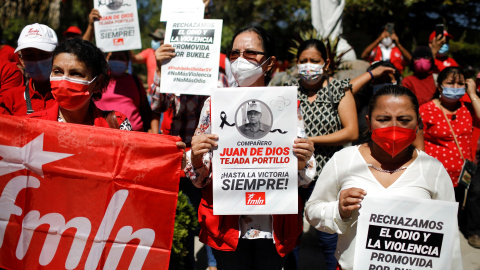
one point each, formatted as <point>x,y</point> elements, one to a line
<point>377,133</point>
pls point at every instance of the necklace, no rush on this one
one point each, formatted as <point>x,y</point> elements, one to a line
<point>386,171</point>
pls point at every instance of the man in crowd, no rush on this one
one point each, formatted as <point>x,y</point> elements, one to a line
<point>35,47</point>
<point>440,47</point>
<point>387,47</point>
<point>254,129</point>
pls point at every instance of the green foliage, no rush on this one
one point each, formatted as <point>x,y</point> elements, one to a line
<point>281,18</point>
<point>464,52</point>
<point>11,33</point>
<point>185,220</point>
<point>285,20</point>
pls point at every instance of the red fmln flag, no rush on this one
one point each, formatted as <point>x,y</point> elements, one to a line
<point>82,197</point>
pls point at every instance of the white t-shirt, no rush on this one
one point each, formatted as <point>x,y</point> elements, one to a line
<point>386,51</point>
<point>424,178</point>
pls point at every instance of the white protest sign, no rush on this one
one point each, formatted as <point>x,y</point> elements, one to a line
<point>194,69</point>
<point>182,10</point>
<point>254,169</point>
<point>117,29</point>
<point>405,233</point>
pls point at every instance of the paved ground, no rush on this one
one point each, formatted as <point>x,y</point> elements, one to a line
<point>311,257</point>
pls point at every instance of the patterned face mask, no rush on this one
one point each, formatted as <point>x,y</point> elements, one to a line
<point>310,73</point>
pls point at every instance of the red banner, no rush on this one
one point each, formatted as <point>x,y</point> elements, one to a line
<point>82,197</point>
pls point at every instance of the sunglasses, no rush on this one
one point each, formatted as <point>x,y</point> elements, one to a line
<point>247,54</point>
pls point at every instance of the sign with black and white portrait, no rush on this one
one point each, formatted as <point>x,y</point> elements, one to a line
<point>254,168</point>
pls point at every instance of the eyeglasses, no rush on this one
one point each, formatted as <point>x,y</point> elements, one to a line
<point>248,54</point>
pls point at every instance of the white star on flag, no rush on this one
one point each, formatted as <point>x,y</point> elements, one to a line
<point>30,156</point>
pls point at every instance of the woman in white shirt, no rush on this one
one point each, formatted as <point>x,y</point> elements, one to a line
<point>388,164</point>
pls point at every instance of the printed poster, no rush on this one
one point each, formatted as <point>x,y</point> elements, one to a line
<point>182,10</point>
<point>118,28</point>
<point>194,69</point>
<point>254,169</point>
<point>405,233</point>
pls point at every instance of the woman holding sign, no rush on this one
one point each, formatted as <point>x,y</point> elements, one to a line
<point>261,242</point>
<point>329,113</point>
<point>387,165</point>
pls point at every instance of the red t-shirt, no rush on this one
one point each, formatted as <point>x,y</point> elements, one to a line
<point>396,57</point>
<point>423,88</point>
<point>439,141</point>
<point>10,76</point>
<point>151,62</point>
<point>15,104</point>
<point>443,63</point>
<point>123,95</point>
<point>7,53</point>
<point>99,116</point>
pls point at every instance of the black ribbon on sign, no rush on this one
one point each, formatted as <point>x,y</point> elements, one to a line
<point>223,116</point>
<point>279,131</point>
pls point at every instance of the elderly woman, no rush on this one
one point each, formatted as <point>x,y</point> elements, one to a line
<point>248,241</point>
<point>387,165</point>
<point>80,72</point>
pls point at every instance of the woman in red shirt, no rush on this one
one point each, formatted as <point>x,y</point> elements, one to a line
<point>421,82</point>
<point>80,73</point>
<point>439,138</point>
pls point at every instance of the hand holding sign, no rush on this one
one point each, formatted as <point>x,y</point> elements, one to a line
<point>350,200</point>
<point>202,144</point>
<point>94,16</point>
<point>303,150</point>
<point>164,53</point>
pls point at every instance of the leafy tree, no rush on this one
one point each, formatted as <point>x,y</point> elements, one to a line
<point>280,18</point>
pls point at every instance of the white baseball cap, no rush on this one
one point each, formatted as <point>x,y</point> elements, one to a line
<point>38,36</point>
<point>253,106</point>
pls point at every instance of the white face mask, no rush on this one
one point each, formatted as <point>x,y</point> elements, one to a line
<point>245,72</point>
<point>387,42</point>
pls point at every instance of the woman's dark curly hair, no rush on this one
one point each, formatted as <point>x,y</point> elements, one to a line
<point>92,56</point>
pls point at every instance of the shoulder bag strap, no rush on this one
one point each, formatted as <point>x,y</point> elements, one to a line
<point>27,99</point>
<point>451,129</point>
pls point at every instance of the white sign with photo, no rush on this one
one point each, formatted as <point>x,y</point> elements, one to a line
<point>254,169</point>
<point>182,10</point>
<point>117,29</point>
<point>194,69</point>
<point>405,233</point>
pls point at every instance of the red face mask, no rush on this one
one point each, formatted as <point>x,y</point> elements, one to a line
<point>70,94</point>
<point>393,139</point>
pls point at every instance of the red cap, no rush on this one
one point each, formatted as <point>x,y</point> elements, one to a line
<point>73,30</point>
<point>445,33</point>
